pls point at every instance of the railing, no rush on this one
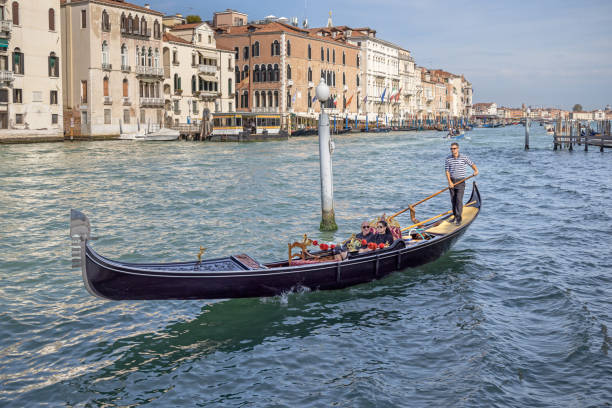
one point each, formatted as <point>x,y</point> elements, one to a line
<point>207,69</point>
<point>108,100</point>
<point>6,26</point>
<point>151,102</point>
<point>106,66</point>
<point>126,101</point>
<point>106,27</point>
<point>266,109</point>
<point>208,94</point>
<point>124,31</point>
<point>150,71</point>
<point>6,76</point>
<point>83,100</point>
<point>126,68</point>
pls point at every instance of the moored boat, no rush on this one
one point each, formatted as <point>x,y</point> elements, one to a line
<point>240,275</point>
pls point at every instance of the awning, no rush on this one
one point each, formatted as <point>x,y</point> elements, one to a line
<point>3,42</point>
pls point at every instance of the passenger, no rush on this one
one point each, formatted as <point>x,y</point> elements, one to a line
<point>365,234</point>
<point>383,236</point>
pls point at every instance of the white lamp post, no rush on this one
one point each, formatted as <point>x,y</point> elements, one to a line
<point>328,221</point>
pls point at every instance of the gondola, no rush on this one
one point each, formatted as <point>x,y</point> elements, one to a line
<point>239,276</point>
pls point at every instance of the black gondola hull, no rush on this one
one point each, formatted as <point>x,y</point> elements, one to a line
<point>221,278</point>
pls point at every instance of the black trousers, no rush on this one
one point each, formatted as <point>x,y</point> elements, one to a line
<point>456,194</point>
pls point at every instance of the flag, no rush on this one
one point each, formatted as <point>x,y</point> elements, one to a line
<point>314,99</point>
<point>365,99</point>
<point>335,100</point>
<point>399,93</point>
<point>382,97</point>
<point>349,100</point>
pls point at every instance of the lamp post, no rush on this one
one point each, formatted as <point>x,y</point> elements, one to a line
<point>328,222</point>
<point>527,112</point>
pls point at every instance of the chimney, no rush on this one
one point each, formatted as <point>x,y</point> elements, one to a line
<point>147,6</point>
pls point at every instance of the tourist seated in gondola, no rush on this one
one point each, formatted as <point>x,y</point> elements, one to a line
<point>365,235</point>
<point>382,236</point>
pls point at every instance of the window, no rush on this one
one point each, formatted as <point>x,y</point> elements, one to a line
<point>107,116</point>
<point>19,118</point>
<point>276,73</point>
<point>256,73</point>
<point>17,95</point>
<point>237,53</point>
<point>343,79</point>
<point>237,74</point>
<point>245,53</point>
<point>18,62</point>
<point>275,48</point>
<point>143,116</point>
<point>288,71</point>
<point>199,37</point>
<point>54,118</point>
<point>270,102</point>
<point>288,48</point>
<point>357,61</point>
<point>105,86</point>
<point>263,73</point>
<point>51,19</point>
<point>83,91</point>
<point>288,100</point>
<point>343,58</point>
<point>229,86</point>
<point>357,80</point>
<point>334,56</point>
<point>126,88</point>
<point>126,116</point>
<point>210,39</point>
<point>84,119</point>
<point>4,96</point>
<point>309,74</point>
<point>53,98</point>
<point>156,31</point>
<point>193,84</point>
<point>83,18</point>
<point>15,13</point>
<point>124,57</point>
<point>105,55</point>
<point>255,49</point>
<point>309,100</point>
<point>309,52</point>
<point>322,54</point>
<point>105,21</point>
<point>328,55</point>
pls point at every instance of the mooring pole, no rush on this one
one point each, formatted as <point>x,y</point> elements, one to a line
<point>527,112</point>
<point>328,218</point>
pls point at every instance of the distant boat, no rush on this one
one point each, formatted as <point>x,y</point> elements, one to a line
<point>161,135</point>
<point>550,129</point>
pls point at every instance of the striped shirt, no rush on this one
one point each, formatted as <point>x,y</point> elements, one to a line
<point>456,166</point>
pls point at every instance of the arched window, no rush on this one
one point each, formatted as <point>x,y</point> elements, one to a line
<point>288,48</point>
<point>53,64</point>
<point>105,55</point>
<point>143,56</point>
<point>276,99</point>
<point>275,48</point>
<point>156,31</point>
<point>270,73</point>
<point>357,80</point>
<point>322,54</point>
<point>124,57</point>
<point>105,86</point>
<point>309,74</point>
<point>357,61</point>
<point>156,61</point>
<point>236,53</point>
<point>255,49</point>
<point>288,99</point>
<point>105,21</point>
<point>309,52</point>
<point>263,99</point>
<point>328,55</point>
<point>343,79</point>
<point>15,13</point>
<point>256,103</point>
<point>126,88</point>
<point>137,55</point>
<point>276,73</point>
<point>246,99</point>
<point>343,58</point>
<point>194,84</point>
<point>245,72</point>
<point>237,73</point>
<point>150,58</point>
<point>136,25</point>
<point>288,71</point>
<point>256,73</point>
<point>51,19</point>
<point>130,25</point>
<point>245,53</point>
<point>123,22</point>
<point>229,86</point>
<point>334,78</point>
<point>176,87</point>
<point>334,56</point>
<point>270,101</point>
<point>143,26</point>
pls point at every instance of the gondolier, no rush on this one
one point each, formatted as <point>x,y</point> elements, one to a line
<point>455,173</point>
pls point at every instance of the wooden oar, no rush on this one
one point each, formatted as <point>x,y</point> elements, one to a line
<point>418,224</point>
<point>411,207</point>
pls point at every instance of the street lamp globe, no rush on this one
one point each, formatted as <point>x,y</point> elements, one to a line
<point>322,91</point>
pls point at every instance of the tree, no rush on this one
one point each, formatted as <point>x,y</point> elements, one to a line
<point>193,18</point>
<point>577,108</point>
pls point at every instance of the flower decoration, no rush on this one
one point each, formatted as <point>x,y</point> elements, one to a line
<point>315,242</point>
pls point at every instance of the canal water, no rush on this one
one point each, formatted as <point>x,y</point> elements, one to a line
<point>517,314</point>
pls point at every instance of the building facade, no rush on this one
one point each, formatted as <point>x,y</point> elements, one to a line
<point>278,66</point>
<point>113,74</point>
<point>30,75</point>
<point>199,77</point>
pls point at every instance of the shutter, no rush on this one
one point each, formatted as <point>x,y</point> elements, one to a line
<point>15,13</point>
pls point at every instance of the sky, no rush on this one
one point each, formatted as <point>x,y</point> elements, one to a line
<point>540,52</point>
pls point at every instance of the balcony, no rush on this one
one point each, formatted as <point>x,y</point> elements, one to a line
<point>209,95</point>
<point>108,100</point>
<point>6,76</point>
<point>266,109</point>
<point>125,32</point>
<point>126,68</point>
<point>126,101</point>
<point>207,69</point>
<point>6,26</point>
<point>152,102</point>
<point>149,71</point>
<point>106,66</point>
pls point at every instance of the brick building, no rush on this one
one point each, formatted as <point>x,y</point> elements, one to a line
<point>278,67</point>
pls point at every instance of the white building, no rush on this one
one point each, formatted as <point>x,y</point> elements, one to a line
<point>30,75</point>
<point>199,76</point>
<point>112,67</point>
